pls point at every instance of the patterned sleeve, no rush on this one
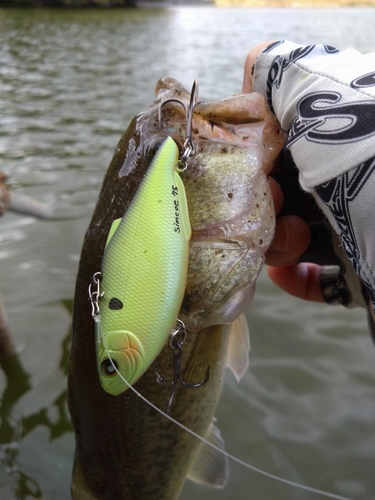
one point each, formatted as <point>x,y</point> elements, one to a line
<point>325,100</point>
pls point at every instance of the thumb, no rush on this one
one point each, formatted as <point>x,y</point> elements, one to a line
<point>247,85</point>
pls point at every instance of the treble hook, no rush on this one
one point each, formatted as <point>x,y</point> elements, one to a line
<point>189,148</point>
<point>175,342</point>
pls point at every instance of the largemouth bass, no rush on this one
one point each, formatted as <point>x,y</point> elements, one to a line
<point>124,449</point>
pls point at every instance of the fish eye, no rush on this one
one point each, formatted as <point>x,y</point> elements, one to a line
<point>108,369</point>
<point>115,304</point>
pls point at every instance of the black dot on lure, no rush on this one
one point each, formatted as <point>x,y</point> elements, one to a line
<point>115,304</point>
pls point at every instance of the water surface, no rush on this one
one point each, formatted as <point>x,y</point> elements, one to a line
<point>70,81</point>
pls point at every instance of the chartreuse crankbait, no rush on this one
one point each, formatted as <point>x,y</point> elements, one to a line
<point>143,274</point>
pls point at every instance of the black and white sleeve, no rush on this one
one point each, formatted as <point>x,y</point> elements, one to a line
<point>324,99</point>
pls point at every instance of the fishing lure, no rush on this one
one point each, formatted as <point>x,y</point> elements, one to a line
<point>143,274</point>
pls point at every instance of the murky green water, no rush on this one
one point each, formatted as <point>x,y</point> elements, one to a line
<point>69,84</point>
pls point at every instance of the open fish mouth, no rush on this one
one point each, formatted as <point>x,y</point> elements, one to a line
<point>231,211</point>
<point>231,121</point>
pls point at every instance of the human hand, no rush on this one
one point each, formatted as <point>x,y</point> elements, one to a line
<point>292,234</point>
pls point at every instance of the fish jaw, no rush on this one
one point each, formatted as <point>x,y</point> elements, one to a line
<point>233,221</point>
<point>242,121</point>
<point>123,350</point>
<point>230,203</point>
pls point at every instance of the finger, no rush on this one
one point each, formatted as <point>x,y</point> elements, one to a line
<point>277,194</point>
<point>301,280</point>
<point>292,237</point>
<point>247,85</point>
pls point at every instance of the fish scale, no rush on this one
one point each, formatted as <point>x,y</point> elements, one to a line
<point>144,264</point>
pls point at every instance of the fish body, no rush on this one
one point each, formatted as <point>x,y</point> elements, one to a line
<point>124,448</point>
<point>144,271</point>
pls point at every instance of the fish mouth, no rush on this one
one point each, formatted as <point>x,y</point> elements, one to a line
<point>232,135</point>
<point>241,120</point>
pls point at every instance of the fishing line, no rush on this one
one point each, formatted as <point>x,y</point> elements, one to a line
<point>234,458</point>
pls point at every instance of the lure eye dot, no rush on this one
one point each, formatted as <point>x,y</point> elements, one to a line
<point>108,369</point>
<point>115,304</point>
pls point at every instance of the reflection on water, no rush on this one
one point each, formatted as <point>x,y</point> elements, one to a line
<point>14,429</point>
<point>70,82</point>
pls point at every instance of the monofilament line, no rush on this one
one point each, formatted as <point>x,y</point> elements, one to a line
<point>232,457</point>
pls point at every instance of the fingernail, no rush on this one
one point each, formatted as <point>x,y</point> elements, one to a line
<point>302,270</point>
